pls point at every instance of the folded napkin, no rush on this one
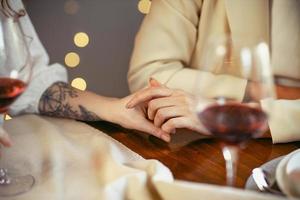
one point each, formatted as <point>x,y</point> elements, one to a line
<point>73,161</point>
<point>288,174</point>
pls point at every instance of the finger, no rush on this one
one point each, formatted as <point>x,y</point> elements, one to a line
<point>4,138</point>
<point>154,83</point>
<point>174,123</point>
<point>148,127</point>
<point>155,104</point>
<point>174,100</point>
<point>148,94</point>
<point>167,113</point>
<point>184,122</point>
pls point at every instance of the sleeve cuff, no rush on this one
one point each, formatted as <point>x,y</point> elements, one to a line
<point>284,118</point>
<point>28,102</point>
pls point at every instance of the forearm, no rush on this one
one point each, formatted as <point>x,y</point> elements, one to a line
<point>163,52</point>
<point>62,100</point>
<point>207,84</point>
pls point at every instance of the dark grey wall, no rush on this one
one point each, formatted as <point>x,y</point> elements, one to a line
<point>111,25</point>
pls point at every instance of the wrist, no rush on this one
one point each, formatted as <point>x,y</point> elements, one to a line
<point>107,108</point>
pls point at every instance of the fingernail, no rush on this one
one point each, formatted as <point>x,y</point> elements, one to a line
<point>166,137</point>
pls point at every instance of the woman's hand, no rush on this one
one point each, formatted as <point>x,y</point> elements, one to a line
<point>168,109</point>
<point>133,118</point>
<point>62,100</point>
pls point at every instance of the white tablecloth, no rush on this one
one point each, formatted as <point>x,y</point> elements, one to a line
<point>71,160</point>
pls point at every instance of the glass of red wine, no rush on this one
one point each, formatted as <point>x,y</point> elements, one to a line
<point>15,74</point>
<point>235,78</point>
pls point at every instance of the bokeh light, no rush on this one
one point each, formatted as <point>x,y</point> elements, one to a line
<point>81,39</point>
<point>7,117</point>
<point>79,83</point>
<point>144,6</point>
<point>72,59</point>
<point>71,7</point>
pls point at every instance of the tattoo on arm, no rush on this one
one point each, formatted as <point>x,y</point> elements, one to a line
<point>54,102</point>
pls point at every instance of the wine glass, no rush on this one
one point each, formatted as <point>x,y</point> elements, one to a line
<point>234,81</point>
<point>15,74</point>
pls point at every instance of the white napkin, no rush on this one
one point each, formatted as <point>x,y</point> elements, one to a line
<point>288,174</point>
<point>73,161</point>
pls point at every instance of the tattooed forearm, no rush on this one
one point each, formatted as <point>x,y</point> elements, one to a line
<point>55,102</point>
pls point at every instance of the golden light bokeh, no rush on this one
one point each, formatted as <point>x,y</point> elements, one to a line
<point>72,59</point>
<point>7,117</point>
<point>81,39</point>
<point>79,83</point>
<point>71,7</point>
<point>144,6</point>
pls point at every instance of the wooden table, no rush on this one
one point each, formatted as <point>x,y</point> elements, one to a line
<point>201,160</point>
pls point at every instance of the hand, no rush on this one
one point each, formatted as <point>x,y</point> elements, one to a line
<point>169,109</point>
<point>134,118</point>
<point>4,138</point>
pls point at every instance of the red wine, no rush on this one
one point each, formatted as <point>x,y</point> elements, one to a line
<point>234,123</point>
<point>10,89</point>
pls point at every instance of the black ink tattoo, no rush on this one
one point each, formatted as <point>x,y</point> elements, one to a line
<point>54,103</point>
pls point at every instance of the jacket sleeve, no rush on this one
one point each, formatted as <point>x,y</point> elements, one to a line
<point>284,118</point>
<point>164,44</point>
<point>44,74</point>
<point>164,47</point>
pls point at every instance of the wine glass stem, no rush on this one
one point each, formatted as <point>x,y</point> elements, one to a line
<point>230,154</point>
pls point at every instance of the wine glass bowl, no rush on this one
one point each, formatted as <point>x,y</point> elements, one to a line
<point>15,75</point>
<point>234,79</point>
<point>15,64</point>
<point>234,123</point>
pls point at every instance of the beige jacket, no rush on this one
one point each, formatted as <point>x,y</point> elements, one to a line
<point>171,39</point>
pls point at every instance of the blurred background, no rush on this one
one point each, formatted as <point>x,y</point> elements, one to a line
<point>92,38</point>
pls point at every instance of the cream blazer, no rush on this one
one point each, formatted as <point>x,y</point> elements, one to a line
<point>172,36</point>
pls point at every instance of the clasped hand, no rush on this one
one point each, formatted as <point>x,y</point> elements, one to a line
<point>156,110</point>
<point>168,109</point>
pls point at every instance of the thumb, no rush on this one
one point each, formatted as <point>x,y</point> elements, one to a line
<point>154,83</point>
